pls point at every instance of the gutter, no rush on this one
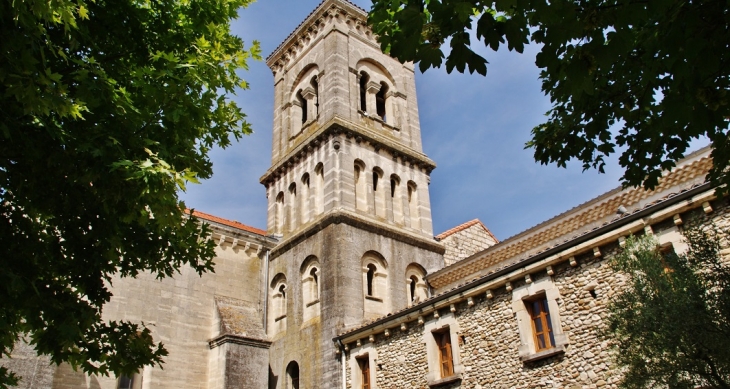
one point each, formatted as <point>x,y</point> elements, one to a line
<point>536,258</point>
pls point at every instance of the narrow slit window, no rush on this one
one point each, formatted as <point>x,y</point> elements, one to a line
<point>364,364</point>
<point>414,282</point>
<point>380,101</point>
<point>370,276</point>
<point>364,78</point>
<point>303,103</point>
<point>315,283</point>
<point>375,181</point>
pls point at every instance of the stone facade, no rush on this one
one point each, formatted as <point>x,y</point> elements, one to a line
<point>349,285</point>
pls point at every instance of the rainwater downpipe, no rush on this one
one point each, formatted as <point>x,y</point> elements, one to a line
<point>266,292</point>
<point>342,362</point>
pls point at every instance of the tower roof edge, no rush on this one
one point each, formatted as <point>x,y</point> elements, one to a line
<point>311,20</point>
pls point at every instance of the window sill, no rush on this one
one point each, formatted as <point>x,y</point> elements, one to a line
<point>445,381</point>
<point>551,352</point>
<point>309,304</point>
<point>373,298</point>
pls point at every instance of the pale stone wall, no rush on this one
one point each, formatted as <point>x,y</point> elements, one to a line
<point>181,313</point>
<point>339,249</point>
<point>466,242</point>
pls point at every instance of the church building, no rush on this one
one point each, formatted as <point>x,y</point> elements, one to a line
<point>350,288</point>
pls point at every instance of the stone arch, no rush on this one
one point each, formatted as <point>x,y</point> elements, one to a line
<point>361,192</point>
<point>279,293</point>
<point>413,209</point>
<point>416,287</point>
<point>379,192</point>
<point>376,293</point>
<point>304,100</point>
<point>376,85</point>
<point>311,276</point>
<point>319,188</point>
<point>292,375</point>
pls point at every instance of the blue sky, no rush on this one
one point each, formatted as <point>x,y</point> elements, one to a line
<point>473,127</point>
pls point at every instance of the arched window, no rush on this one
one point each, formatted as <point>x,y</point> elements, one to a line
<point>305,198</point>
<point>361,196</point>
<point>278,311</point>
<point>310,273</point>
<point>375,285</point>
<point>292,375</point>
<point>279,213</point>
<point>369,278</point>
<point>416,284</point>
<point>319,188</point>
<point>378,193</point>
<point>293,206</point>
<point>380,100</point>
<point>396,199</point>
<point>364,78</point>
<point>315,283</point>
<point>413,205</point>
<point>315,101</point>
<point>303,104</point>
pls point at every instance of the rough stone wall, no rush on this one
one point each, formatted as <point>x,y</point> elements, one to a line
<point>489,338</point>
<point>489,341</point>
<point>466,242</point>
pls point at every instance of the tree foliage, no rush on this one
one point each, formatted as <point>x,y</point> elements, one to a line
<point>647,76</point>
<point>672,323</point>
<point>107,109</point>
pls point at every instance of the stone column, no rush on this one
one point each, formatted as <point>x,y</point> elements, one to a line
<point>372,89</point>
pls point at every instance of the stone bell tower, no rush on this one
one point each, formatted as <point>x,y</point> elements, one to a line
<point>347,192</point>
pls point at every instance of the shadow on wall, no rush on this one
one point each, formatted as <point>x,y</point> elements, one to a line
<point>273,379</point>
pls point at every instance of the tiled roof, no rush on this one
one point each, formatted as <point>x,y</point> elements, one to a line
<point>568,224</point>
<point>464,226</point>
<point>226,222</point>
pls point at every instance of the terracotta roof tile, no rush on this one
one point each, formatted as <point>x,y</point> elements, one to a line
<point>567,224</point>
<point>464,226</point>
<point>226,222</point>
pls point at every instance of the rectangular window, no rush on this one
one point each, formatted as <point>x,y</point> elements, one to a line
<point>446,360</point>
<point>364,363</point>
<point>542,328</point>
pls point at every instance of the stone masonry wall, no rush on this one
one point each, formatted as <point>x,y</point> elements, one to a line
<point>488,337</point>
<point>466,242</point>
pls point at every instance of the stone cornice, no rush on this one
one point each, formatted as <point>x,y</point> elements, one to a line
<point>310,29</point>
<point>336,127</point>
<point>485,287</point>
<point>359,221</point>
<point>238,339</point>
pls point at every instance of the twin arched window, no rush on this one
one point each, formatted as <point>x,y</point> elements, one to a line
<point>374,97</point>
